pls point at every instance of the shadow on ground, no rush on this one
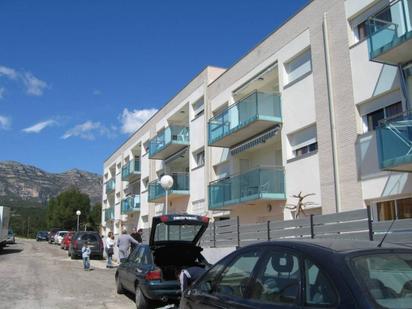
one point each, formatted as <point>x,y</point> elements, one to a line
<point>10,250</point>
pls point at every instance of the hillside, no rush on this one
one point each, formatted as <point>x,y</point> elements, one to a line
<point>26,185</point>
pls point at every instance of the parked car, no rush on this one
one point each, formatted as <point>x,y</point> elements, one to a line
<point>94,240</point>
<point>66,241</point>
<point>42,235</point>
<point>298,274</point>
<point>10,237</point>
<point>58,237</point>
<point>150,272</point>
<point>52,233</point>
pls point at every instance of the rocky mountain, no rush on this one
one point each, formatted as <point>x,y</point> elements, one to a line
<point>26,185</point>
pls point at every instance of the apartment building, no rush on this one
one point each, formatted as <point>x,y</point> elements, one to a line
<point>318,109</point>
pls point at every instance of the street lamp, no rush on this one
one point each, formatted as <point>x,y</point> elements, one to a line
<point>78,213</point>
<point>167,183</point>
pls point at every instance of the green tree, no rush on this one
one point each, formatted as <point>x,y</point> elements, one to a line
<point>62,209</point>
<point>95,217</point>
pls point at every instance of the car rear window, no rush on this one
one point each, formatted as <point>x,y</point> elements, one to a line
<point>89,237</point>
<point>387,277</point>
<point>176,232</point>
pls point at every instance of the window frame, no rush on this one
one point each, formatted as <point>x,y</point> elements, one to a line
<point>328,278</point>
<point>288,63</point>
<point>264,260</point>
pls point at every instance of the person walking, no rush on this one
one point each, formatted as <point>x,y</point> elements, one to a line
<point>135,236</point>
<point>86,256</point>
<point>109,249</point>
<point>123,243</point>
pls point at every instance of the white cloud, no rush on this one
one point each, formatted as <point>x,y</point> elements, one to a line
<point>38,127</point>
<point>2,91</point>
<point>133,120</point>
<point>88,131</point>
<point>33,85</point>
<point>8,72</point>
<point>4,122</point>
<point>97,92</point>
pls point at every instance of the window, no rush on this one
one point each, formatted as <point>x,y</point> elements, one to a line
<point>319,291</point>
<point>235,278</point>
<point>207,282</point>
<point>306,149</point>
<point>198,107</point>
<point>394,209</point>
<point>386,277</point>
<point>299,66</point>
<point>363,31</point>
<point>278,281</point>
<point>303,141</point>
<point>199,157</point>
<point>404,208</point>
<point>373,119</point>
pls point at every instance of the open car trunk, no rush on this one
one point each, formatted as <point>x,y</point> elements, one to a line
<point>173,240</point>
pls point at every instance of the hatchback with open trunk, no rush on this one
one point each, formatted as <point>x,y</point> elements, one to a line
<point>151,271</point>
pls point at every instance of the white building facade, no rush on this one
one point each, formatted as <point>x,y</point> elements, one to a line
<point>319,108</point>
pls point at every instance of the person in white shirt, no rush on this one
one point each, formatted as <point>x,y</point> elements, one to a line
<point>109,249</point>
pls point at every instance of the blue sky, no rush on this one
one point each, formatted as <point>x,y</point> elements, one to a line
<point>77,77</point>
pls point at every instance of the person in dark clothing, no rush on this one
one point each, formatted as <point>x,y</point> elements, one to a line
<point>189,275</point>
<point>136,236</point>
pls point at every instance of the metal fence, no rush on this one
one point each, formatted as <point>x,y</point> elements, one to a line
<point>356,224</point>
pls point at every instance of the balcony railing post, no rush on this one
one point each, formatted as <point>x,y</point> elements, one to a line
<point>370,227</point>
<point>312,230</point>
<point>214,234</point>
<point>238,231</point>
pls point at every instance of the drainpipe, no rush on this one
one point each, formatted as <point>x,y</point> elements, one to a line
<point>331,114</point>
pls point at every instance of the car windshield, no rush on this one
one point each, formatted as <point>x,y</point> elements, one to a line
<point>387,277</point>
<point>184,232</point>
<point>89,237</point>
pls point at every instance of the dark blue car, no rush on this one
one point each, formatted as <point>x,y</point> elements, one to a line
<point>150,271</point>
<point>307,274</point>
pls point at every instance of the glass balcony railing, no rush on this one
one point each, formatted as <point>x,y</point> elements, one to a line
<point>130,203</point>
<point>180,186</point>
<point>131,168</point>
<point>176,135</point>
<point>264,183</point>
<point>388,29</point>
<point>257,106</point>
<point>394,141</point>
<point>110,186</point>
<point>109,214</point>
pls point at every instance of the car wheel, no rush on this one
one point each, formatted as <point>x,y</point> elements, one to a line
<point>141,301</point>
<point>119,286</point>
<point>73,256</point>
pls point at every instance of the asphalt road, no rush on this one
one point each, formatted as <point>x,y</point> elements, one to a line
<point>38,275</point>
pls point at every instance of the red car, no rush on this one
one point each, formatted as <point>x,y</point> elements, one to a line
<point>66,241</point>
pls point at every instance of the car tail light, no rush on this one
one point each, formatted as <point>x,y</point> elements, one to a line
<point>153,275</point>
<point>75,244</point>
<point>101,244</point>
<point>164,218</point>
<point>205,219</point>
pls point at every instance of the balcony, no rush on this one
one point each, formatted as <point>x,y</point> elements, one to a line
<point>245,119</point>
<point>390,33</point>
<point>110,186</point>
<point>168,141</point>
<point>180,188</point>
<point>264,183</point>
<point>132,168</point>
<point>109,214</point>
<point>130,204</point>
<point>394,141</point>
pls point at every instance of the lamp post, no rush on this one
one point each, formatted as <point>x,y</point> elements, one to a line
<point>78,213</point>
<point>167,183</point>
